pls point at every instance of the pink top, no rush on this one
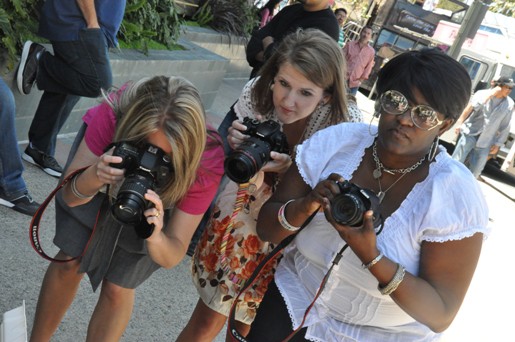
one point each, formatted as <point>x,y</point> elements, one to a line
<point>101,123</point>
<point>266,16</point>
<point>359,62</point>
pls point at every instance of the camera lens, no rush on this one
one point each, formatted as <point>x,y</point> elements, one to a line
<point>243,163</point>
<point>347,209</point>
<point>130,202</point>
<point>240,168</point>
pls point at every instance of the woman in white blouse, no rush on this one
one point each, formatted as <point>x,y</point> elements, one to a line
<point>403,280</point>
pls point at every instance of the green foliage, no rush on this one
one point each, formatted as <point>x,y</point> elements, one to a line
<point>506,7</point>
<point>203,16</point>
<point>147,20</point>
<point>18,23</point>
<point>449,5</point>
<point>234,17</point>
<point>356,9</point>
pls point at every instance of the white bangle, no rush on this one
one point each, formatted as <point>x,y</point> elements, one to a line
<point>282,218</point>
<point>75,191</point>
<point>394,283</point>
<point>373,262</point>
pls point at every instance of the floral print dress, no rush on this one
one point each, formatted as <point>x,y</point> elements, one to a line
<point>218,271</point>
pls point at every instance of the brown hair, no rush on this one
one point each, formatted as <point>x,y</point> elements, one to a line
<point>319,58</point>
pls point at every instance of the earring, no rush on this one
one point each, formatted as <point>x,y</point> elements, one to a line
<point>369,128</point>
<point>377,109</point>
<point>433,149</point>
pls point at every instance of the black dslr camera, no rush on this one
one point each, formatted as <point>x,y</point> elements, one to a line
<point>265,137</point>
<point>147,168</point>
<point>348,207</point>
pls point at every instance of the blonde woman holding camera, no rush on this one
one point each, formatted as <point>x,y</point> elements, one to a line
<point>165,113</point>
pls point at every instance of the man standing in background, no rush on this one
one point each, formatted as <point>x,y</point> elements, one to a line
<point>484,125</point>
<point>360,59</point>
<point>341,17</point>
<point>81,31</point>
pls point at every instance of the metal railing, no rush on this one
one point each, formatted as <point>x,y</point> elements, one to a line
<point>351,29</point>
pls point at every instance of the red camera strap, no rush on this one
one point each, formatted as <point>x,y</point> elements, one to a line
<point>34,224</point>
<point>233,332</point>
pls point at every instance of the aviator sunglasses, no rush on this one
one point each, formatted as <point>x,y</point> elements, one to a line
<point>395,103</point>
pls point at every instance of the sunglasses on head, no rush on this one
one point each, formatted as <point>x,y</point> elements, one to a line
<point>423,116</point>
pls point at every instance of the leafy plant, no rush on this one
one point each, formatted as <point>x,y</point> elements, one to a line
<point>234,17</point>
<point>18,23</point>
<point>146,20</point>
<point>203,16</point>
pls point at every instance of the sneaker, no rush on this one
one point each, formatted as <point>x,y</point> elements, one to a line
<point>25,204</point>
<point>27,70</point>
<point>42,160</point>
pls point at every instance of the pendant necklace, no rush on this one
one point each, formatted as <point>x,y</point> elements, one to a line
<point>378,172</point>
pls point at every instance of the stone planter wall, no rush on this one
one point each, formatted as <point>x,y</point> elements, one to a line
<point>230,47</point>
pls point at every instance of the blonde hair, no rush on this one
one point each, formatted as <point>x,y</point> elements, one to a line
<point>173,105</point>
<point>319,58</point>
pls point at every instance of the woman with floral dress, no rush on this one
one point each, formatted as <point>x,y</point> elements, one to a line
<point>302,88</point>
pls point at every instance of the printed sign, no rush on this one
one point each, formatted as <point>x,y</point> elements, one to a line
<point>414,23</point>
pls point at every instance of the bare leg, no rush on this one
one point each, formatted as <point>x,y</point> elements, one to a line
<point>59,287</point>
<point>242,328</point>
<point>112,313</point>
<point>204,324</point>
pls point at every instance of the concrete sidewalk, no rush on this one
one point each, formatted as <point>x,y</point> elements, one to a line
<point>164,303</point>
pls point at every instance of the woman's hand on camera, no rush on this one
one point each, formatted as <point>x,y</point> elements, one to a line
<point>279,162</point>
<point>322,193</point>
<point>362,240</point>
<point>235,134</point>
<point>106,173</point>
<point>154,215</point>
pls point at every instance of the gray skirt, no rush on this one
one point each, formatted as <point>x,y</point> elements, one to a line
<point>114,251</point>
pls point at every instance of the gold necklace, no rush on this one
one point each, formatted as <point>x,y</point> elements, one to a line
<point>377,174</point>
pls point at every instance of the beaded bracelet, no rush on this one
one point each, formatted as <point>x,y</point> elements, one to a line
<point>282,218</point>
<point>373,262</point>
<point>394,283</point>
<point>75,191</point>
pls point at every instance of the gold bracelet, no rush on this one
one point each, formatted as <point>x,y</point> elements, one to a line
<point>75,191</point>
<point>394,283</point>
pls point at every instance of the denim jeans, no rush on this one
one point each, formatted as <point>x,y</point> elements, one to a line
<point>77,68</point>
<point>353,91</point>
<point>12,185</point>
<point>223,129</point>
<point>473,157</point>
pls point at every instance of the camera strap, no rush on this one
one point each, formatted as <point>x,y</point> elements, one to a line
<point>36,219</point>
<point>233,332</point>
<point>236,336</point>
